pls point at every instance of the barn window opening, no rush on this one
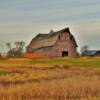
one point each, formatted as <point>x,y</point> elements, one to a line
<point>71,37</point>
<point>65,37</point>
<point>59,37</point>
<point>65,54</point>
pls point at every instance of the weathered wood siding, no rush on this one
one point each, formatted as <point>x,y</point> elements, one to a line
<point>55,44</point>
<point>65,43</point>
<point>45,50</point>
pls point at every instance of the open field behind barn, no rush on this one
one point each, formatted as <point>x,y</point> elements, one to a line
<point>50,79</point>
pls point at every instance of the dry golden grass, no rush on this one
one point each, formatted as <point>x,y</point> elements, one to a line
<point>63,89</point>
<point>59,79</point>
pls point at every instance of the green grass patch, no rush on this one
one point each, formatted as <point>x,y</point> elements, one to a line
<point>3,73</point>
<point>46,62</point>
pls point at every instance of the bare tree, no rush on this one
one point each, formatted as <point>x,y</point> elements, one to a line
<point>9,46</point>
<point>20,45</point>
<point>84,48</point>
<point>17,45</point>
<point>17,51</point>
<point>51,31</point>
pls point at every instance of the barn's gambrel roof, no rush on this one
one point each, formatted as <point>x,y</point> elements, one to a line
<point>46,40</point>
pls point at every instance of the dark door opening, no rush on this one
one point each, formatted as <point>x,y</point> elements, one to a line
<point>65,54</point>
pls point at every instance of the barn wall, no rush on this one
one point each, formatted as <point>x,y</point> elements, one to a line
<point>65,43</point>
<point>45,50</point>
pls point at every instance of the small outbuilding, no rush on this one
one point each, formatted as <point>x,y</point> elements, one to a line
<point>91,53</point>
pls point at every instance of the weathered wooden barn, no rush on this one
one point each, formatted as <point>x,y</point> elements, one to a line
<point>57,44</point>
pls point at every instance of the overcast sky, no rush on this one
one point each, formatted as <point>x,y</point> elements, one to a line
<point>23,19</point>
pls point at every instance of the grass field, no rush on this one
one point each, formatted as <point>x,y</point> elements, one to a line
<point>50,79</point>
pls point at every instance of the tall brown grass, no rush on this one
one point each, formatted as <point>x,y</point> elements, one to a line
<point>59,83</point>
<point>70,89</point>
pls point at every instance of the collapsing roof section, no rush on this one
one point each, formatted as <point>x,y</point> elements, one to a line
<point>46,40</point>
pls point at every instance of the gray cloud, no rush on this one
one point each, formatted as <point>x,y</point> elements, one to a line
<point>34,16</point>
